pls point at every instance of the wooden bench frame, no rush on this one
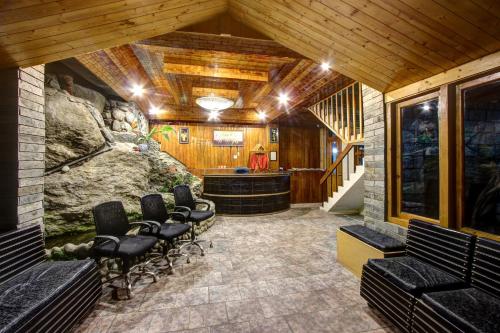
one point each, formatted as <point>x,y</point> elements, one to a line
<point>353,253</point>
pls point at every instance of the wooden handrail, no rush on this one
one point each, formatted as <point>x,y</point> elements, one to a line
<point>335,164</point>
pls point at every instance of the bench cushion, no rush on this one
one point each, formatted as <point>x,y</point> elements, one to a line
<point>23,296</point>
<point>471,309</point>
<point>413,275</point>
<point>374,238</point>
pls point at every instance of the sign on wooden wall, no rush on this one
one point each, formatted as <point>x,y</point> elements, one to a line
<point>228,138</point>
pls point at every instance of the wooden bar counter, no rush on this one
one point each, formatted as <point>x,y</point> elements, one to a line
<point>248,194</point>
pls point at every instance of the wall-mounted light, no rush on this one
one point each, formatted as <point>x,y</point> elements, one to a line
<point>283,98</point>
<point>137,90</point>
<point>325,65</point>
<point>427,107</point>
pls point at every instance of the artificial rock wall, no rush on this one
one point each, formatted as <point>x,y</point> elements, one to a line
<point>375,189</point>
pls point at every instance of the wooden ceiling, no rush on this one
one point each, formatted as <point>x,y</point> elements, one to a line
<point>385,44</point>
<point>181,66</point>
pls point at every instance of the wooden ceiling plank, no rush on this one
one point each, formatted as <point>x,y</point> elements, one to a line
<point>379,31</point>
<point>422,38</point>
<point>91,18</point>
<point>81,36</point>
<point>474,14</point>
<point>297,43</point>
<point>53,8</point>
<point>229,73</point>
<point>110,39</point>
<point>227,93</point>
<point>359,54</point>
<point>444,33</point>
<point>467,30</point>
<point>349,39</point>
<point>152,64</point>
<point>492,6</point>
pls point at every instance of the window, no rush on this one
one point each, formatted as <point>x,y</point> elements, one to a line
<point>480,154</point>
<point>420,159</point>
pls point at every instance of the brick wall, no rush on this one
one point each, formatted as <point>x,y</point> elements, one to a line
<point>374,131</point>
<point>31,117</point>
<point>22,145</point>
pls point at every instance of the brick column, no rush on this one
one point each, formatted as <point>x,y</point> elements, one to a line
<point>22,142</point>
<point>374,131</point>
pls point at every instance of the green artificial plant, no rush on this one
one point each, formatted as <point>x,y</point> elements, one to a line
<point>146,138</point>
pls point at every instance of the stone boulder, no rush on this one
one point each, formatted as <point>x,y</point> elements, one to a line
<point>71,130</point>
<point>94,97</point>
<point>119,174</point>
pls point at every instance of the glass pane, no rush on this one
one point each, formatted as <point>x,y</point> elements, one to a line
<point>420,159</point>
<point>481,111</point>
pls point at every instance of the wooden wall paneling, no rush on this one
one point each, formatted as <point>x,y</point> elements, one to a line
<point>299,147</point>
<point>304,186</point>
<point>200,153</point>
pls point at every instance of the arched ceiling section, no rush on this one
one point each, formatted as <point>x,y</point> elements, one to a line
<point>385,44</point>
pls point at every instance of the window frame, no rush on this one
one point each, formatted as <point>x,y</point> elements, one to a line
<point>394,161</point>
<point>460,177</point>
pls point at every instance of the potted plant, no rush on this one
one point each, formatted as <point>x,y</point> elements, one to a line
<point>143,140</point>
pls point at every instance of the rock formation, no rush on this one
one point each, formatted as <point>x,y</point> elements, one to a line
<point>76,128</point>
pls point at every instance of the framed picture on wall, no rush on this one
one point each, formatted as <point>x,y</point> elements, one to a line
<point>184,135</point>
<point>273,135</point>
<point>273,156</point>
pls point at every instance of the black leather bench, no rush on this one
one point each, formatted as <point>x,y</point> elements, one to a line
<point>357,243</point>
<point>437,259</point>
<point>474,309</point>
<point>41,296</point>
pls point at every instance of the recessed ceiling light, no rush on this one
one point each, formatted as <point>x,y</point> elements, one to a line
<point>137,90</point>
<point>283,98</point>
<point>262,115</point>
<point>154,109</point>
<point>325,65</point>
<point>213,115</point>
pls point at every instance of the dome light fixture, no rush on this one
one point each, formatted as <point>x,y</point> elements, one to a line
<point>214,103</point>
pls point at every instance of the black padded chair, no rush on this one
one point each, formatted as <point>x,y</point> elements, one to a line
<point>185,202</point>
<point>436,259</point>
<point>154,212</point>
<point>474,309</point>
<point>112,241</point>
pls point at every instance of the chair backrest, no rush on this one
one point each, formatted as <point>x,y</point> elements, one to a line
<point>486,266</point>
<point>20,250</point>
<point>446,249</point>
<point>110,219</point>
<point>183,196</point>
<point>153,208</point>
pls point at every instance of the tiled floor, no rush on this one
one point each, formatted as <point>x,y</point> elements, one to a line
<point>274,273</point>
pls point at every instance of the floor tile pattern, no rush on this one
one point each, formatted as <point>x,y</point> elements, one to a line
<point>274,273</point>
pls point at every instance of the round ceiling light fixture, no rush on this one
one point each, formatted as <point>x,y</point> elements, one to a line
<point>214,103</point>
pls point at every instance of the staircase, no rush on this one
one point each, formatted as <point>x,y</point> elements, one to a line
<point>342,113</point>
<point>342,183</point>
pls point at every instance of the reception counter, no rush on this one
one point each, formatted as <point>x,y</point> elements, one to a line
<point>248,194</point>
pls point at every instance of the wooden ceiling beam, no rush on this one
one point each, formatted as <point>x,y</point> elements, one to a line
<point>227,93</point>
<point>197,114</point>
<point>219,72</point>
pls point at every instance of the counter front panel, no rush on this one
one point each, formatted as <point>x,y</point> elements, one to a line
<point>248,194</point>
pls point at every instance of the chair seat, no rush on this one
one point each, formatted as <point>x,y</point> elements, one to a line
<point>200,215</point>
<point>23,296</point>
<point>130,246</point>
<point>413,275</point>
<point>170,231</point>
<point>471,309</point>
